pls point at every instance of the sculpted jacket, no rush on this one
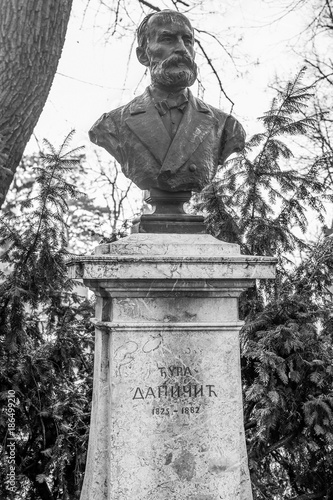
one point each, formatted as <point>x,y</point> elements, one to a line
<point>135,136</point>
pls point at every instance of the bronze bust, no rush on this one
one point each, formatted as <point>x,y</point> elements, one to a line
<point>166,138</point>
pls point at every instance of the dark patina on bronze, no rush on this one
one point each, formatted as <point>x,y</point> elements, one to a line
<point>167,141</point>
<point>169,215</point>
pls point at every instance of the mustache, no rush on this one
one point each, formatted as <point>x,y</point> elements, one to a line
<point>176,60</point>
<point>162,72</point>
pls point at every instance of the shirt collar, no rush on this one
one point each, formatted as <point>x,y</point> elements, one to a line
<point>159,94</point>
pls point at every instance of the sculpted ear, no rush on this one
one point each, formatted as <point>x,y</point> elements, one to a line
<point>141,54</point>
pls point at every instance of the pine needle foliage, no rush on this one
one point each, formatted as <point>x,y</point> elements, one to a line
<point>287,368</point>
<point>46,344</point>
<point>38,255</point>
<point>258,199</point>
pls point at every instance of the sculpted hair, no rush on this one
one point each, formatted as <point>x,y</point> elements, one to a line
<point>142,31</point>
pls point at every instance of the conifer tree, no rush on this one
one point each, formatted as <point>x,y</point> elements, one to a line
<point>46,337</point>
<point>46,343</point>
<point>287,370</point>
<point>258,200</point>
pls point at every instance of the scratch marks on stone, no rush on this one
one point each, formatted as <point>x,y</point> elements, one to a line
<point>152,344</point>
<point>175,269</point>
<point>149,289</point>
<point>174,285</point>
<point>124,355</point>
<point>166,485</point>
<point>203,497</point>
<point>179,359</point>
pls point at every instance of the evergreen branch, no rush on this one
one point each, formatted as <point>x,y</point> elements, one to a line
<point>285,95</point>
<point>41,216</point>
<point>50,194</point>
<point>310,496</point>
<point>251,424</point>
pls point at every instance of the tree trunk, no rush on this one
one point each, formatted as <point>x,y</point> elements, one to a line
<point>32,35</point>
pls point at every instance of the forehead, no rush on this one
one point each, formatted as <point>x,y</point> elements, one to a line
<point>171,22</point>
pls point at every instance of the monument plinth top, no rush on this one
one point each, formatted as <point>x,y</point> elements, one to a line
<point>179,259</point>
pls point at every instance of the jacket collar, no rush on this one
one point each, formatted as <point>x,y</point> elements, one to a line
<point>142,102</point>
<point>196,123</point>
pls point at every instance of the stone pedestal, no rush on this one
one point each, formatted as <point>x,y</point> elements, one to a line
<point>167,420</point>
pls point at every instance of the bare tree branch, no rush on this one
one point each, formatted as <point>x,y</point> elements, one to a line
<point>151,6</point>
<point>218,41</point>
<point>209,61</point>
<point>319,69</point>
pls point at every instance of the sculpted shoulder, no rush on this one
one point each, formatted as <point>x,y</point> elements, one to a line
<point>123,111</point>
<point>106,132</point>
<point>218,113</point>
<point>117,116</point>
<point>111,116</point>
<point>157,146</point>
<point>233,134</point>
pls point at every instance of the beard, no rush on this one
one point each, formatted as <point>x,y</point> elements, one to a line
<point>174,72</point>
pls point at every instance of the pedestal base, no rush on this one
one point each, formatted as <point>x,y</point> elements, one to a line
<point>180,224</point>
<point>167,420</point>
<point>169,215</point>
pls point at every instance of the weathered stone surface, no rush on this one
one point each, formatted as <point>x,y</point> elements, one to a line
<point>167,421</point>
<point>172,309</point>
<point>169,245</point>
<point>165,257</point>
<point>175,414</point>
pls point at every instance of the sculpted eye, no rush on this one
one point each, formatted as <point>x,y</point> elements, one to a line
<point>164,37</point>
<point>188,41</point>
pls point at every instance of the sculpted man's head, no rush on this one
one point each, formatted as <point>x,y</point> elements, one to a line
<point>168,139</point>
<point>166,46</point>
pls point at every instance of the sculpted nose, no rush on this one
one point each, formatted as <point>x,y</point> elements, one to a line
<point>181,47</point>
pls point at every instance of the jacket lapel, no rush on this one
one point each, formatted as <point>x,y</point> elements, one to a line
<point>197,122</point>
<point>146,124</point>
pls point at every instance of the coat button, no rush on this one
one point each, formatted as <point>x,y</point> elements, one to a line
<point>192,167</point>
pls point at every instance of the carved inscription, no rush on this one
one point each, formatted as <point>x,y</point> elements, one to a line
<point>178,386</point>
<point>175,391</point>
<point>175,371</point>
<point>185,410</point>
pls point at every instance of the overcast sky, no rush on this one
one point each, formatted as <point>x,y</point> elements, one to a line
<point>255,42</point>
<point>94,76</point>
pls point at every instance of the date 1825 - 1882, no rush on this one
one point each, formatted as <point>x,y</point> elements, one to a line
<point>167,412</point>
